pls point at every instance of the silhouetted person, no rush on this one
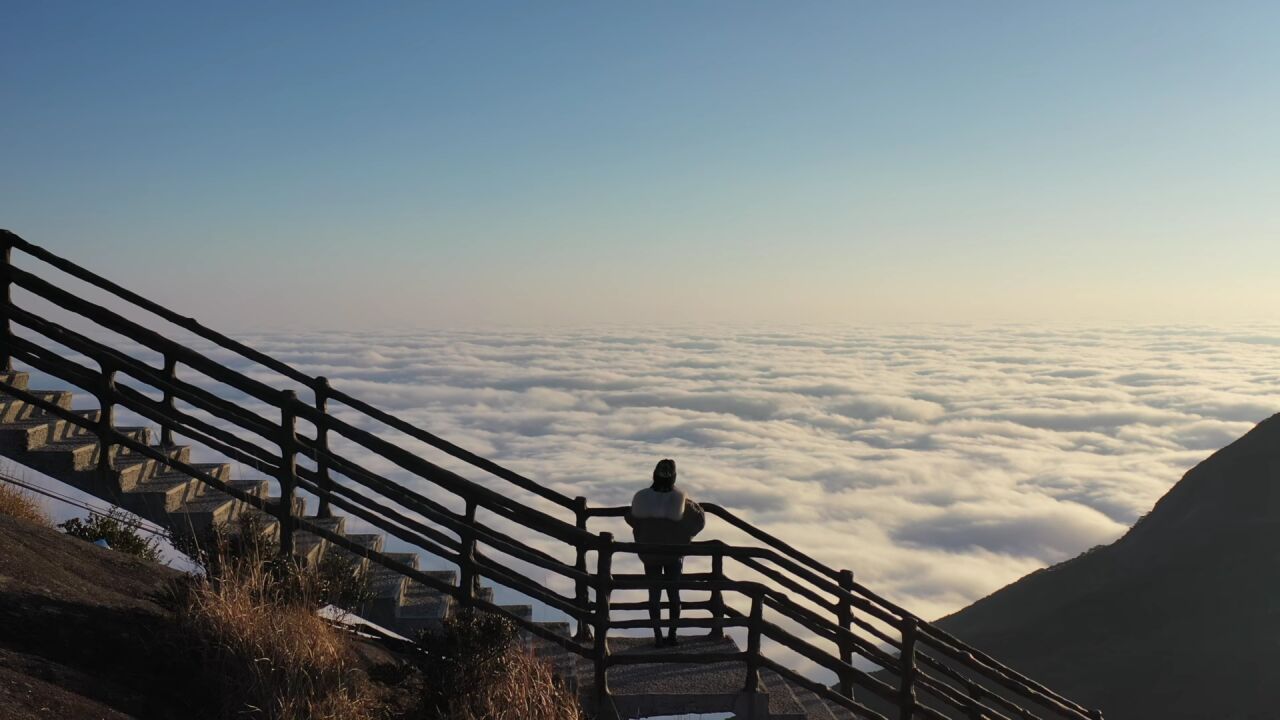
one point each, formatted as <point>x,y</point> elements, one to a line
<point>661,514</point>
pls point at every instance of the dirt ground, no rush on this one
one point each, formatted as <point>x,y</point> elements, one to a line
<point>87,633</point>
<point>80,627</point>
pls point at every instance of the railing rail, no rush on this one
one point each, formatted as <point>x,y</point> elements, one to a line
<point>909,667</point>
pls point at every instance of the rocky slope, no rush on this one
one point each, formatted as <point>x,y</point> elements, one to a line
<point>79,628</point>
<point>1180,618</point>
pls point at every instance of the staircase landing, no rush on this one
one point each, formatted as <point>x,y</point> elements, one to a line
<point>643,690</point>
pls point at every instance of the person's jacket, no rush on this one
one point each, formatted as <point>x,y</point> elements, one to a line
<point>666,518</point>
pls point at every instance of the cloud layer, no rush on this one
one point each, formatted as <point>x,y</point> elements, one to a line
<point>939,463</point>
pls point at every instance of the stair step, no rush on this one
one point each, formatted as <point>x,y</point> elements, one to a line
<point>203,511</point>
<point>524,612</point>
<point>165,491</point>
<point>77,454</point>
<point>641,690</point>
<point>448,577</point>
<point>559,627</point>
<point>784,704</point>
<point>135,468</point>
<point>385,580</point>
<point>43,428</point>
<point>211,507</point>
<point>16,378</point>
<point>162,494</point>
<point>388,584</point>
<point>839,712</point>
<point>220,471</point>
<point>310,547</point>
<point>269,525</point>
<point>816,708</point>
<point>336,524</point>
<point>256,488</point>
<point>388,589</point>
<point>372,541</point>
<point>12,409</point>
<point>422,602</point>
<point>299,504</point>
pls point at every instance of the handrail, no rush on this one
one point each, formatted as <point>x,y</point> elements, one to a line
<point>10,239</point>
<point>262,392</point>
<point>186,391</point>
<point>947,643</point>
<point>417,519</point>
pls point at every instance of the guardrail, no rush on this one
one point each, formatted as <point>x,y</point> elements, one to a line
<point>922,671</point>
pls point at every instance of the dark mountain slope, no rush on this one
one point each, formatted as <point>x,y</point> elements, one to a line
<point>1180,618</point>
<point>84,632</point>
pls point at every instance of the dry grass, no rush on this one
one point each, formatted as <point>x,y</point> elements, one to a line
<point>271,656</point>
<point>524,691</point>
<point>16,502</point>
<point>267,655</point>
<point>477,669</point>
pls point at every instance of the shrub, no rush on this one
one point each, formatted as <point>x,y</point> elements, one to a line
<point>342,582</point>
<point>117,531</point>
<point>261,644</point>
<point>476,669</point>
<point>16,502</point>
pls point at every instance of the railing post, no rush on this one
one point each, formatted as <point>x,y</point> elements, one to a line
<point>975,702</point>
<point>580,598</point>
<point>322,448</point>
<point>907,660</point>
<point>467,557</point>
<point>844,617</point>
<point>288,470</point>
<point>106,426</point>
<point>753,642</point>
<point>6,299</point>
<point>604,588</point>
<point>717,596</point>
<point>170,375</point>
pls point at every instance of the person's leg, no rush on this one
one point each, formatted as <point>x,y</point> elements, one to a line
<point>672,569</point>
<point>653,571</point>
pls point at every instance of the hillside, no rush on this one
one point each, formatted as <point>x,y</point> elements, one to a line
<point>91,633</point>
<point>79,628</point>
<point>1180,618</point>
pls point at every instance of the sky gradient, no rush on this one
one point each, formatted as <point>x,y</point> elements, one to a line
<point>429,165</point>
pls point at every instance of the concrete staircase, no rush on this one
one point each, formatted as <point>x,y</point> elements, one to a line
<point>68,453</point>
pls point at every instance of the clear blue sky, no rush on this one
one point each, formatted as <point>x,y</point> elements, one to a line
<point>444,164</point>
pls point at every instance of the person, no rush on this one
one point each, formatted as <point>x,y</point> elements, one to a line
<point>661,514</point>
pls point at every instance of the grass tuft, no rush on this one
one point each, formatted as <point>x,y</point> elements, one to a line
<point>18,503</point>
<point>269,654</point>
<point>477,669</point>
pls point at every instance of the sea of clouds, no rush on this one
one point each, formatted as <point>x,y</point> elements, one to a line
<point>937,462</point>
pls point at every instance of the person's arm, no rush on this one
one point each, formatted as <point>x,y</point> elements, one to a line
<point>694,519</point>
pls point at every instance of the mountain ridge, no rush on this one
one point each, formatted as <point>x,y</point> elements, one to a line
<point>1178,618</point>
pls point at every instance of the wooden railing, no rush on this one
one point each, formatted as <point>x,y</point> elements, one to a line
<point>886,661</point>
